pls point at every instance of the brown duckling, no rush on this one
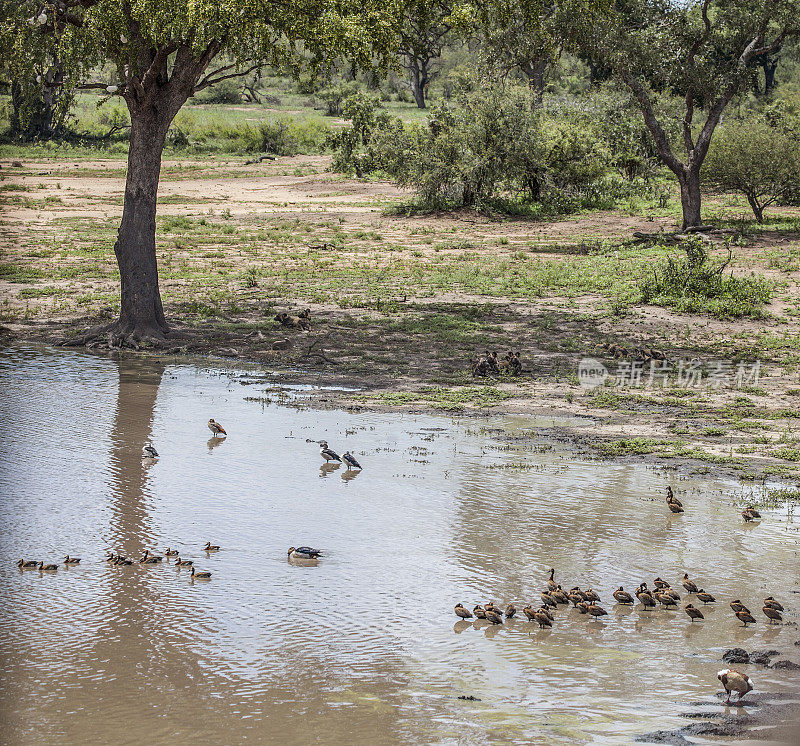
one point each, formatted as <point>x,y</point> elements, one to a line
<point>182,562</point>
<point>542,619</point>
<point>47,568</point>
<point>529,613</point>
<point>209,547</point>
<point>735,681</point>
<point>27,564</point>
<point>693,612</point>
<point>202,575</point>
<point>463,612</point>
<point>772,614</point>
<point>596,610</point>
<point>706,598</point>
<point>737,605</point>
<point>621,596</point>
<point>745,617</point>
<point>551,583</point>
<point>72,560</point>
<point>510,611</point>
<point>493,616</point>
<point>479,612</point>
<point>772,603</point>
<point>689,585</point>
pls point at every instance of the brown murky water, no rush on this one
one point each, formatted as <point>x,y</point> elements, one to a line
<point>364,647</point>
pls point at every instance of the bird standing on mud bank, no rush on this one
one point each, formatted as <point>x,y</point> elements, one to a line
<point>735,681</point>
<point>216,428</point>
<point>463,612</point>
<point>350,460</point>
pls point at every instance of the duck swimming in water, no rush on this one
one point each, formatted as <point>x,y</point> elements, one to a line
<point>72,560</point>
<point>183,563</point>
<point>303,553</point>
<point>750,514</point>
<point>27,564</point>
<point>150,452</point>
<point>202,575</point>
<point>47,568</point>
<point>209,547</point>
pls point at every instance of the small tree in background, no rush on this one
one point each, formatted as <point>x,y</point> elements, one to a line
<point>757,160</point>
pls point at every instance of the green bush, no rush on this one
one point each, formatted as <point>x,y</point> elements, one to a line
<point>224,92</point>
<point>759,160</point>
<point>335,96</point>
<point>696,284</point>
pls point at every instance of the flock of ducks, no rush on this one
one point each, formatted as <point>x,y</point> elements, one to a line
<point>588,602</point>
<point>676,506</point>
<point>169,556</point>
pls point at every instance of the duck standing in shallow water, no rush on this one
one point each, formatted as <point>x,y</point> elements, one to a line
<point>350,460</point>
<point>494,616</point>
<point>327,453</point>
<point>772,614</point>
<point>745,617</point>
<point>692,612</point>
<point>750,514</point>
<point>621,596</point>
<point>773,604</point>
<point>706,598</point>
<point>542,618</point>
<point>463,612</point>
<point>735,681</point>
<point>216,428</point>
<point>480,613</point>
<point>303,553</point>
<point>689,585</point>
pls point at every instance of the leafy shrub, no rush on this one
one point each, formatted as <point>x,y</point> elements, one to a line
<point>224,92</point>
<point>696,284</point>
<point>756,159</point>
<point>335,96</point>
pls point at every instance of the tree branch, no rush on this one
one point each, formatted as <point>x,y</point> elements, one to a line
<point>211,80</point>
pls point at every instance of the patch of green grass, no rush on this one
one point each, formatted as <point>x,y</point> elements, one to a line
<point>440,397</point>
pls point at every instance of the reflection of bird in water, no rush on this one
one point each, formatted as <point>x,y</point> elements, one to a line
<point>216,428</point>
<point>150,452</point>
<point>327,453</point>
<point>348,475</point>
<point>213,442</point>
<point>326,469</point>
<point>735,681</point>
<point>350,460</point>
<point>463,612</point>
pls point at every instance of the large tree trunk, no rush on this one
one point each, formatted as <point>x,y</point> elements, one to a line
<point>141,312</point>
<point>535,70</point>
<point>419,81</point>
<point>689,180</point>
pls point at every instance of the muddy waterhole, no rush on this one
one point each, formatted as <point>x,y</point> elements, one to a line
<point>363,647</point>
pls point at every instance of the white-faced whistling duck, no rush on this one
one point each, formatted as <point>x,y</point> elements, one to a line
<point>693,612</point>
<point>621,596</point>
<point>745,617</point>
<point>463,612</point>
<point>772,614</point>
<point>704,597</point>
<point>689,585</point>
<point>772,603</point>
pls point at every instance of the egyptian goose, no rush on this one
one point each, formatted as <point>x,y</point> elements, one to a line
<point>216,428</point>
<point>735,681</point>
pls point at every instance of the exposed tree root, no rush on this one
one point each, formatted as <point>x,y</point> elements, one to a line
<point>123,335</point>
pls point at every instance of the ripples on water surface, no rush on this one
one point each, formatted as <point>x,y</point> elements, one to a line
<point>365,646</point>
